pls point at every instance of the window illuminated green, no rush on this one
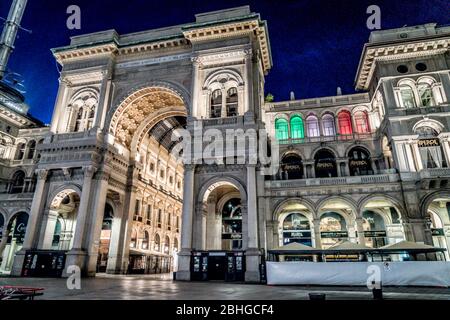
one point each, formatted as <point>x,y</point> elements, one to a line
<point>281,129</point>
<point>297,129</point>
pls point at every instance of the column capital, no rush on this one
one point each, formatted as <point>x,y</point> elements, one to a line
<point>42,174</point>
<point>89,171</point>
<point>189,167</point>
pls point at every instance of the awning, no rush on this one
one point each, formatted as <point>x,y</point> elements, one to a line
<point>294,248</point>
<point>347,247</point>
<point>410,247</point>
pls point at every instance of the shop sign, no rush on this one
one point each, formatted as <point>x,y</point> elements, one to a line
<point>232,236</point>
<point>425,143</point>
<point>437,232</point>
<point>325,165</point>
<point>292,167</point>
<point>297,234</point>
<point>358,163</point>
<point>374,234</point>
<point>334,234</point>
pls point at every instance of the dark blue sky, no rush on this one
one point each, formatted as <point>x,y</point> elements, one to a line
<point>316,44</point>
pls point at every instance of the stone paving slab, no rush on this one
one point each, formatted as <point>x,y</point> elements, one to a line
<point>162,287</point>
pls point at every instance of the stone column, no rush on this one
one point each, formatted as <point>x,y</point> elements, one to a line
<point>49,229</point>
<point>410,159</point>
<point>57,125</point>
<point>446,146</point>
<point>117,240</point>
<point>33,222</point>
<point>224,104</point>
<point>248,79</point>
<point>317,235</point>
<point>359,228</point>
<point>103,100</point>
<point>76,256</point>
<point>184,257</point>
<point>252,249</point>
<point>195,90</point>
<point>96,222</point>
<point>416,151</point>
<point>3,242</point>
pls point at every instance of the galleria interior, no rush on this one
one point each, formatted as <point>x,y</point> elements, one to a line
<point>100,188</point>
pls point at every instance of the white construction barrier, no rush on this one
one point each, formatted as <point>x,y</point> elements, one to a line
<point>407,273</point>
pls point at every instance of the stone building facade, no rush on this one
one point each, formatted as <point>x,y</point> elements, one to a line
<point>104,185</point>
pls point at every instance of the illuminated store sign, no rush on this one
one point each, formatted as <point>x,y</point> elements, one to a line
<point>425,143</point>
<point>334,234</point>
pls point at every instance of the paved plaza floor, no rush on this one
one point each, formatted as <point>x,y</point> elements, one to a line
<point>162,287</point>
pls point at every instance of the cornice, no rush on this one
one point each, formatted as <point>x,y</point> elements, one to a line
<point>217,32</point>
<point>372,55</point>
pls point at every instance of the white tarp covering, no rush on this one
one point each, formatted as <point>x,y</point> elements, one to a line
<point>407,273</point>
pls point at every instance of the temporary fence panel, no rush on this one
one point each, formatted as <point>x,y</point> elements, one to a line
<point>408,273</point>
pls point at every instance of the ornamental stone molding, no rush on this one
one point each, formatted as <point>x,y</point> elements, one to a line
<point>373,54</point>
<point>136,108</point>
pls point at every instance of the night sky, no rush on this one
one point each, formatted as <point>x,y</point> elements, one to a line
<point>316,45</point>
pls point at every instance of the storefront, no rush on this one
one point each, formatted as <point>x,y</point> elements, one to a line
<point>16,235</point>
<point>140,263</point>
<point>218,265</point>
<point>296,228</point>
<point>374,230</point>
<point>333,229</point>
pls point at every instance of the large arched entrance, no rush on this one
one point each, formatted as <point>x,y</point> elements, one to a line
<point>61,221</point>
<point>338,223</point>
<point>220,224</point>
<point>438,211</point>
<point>142,128</point>
<point>105,238</point>
<point>382,221</point>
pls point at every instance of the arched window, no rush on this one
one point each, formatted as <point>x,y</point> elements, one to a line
<point>292,167</point>
<point>146,240</point>
<point>425,94</point>
<point>232,102</point>
<point>345,123</point>
<point>362,122</point>
<point>325,164</point>
<point>175,244</point>
<point>312,124</point>
<point>281,129</point>
<point>17,182</point>
<point>297,130</point>
<point>333,229</point>
<point>20,153</point>
<point>296,228</point>
<point>430,148</point>
<point>133,241</point>
<point>31,149</point>
<point>374,229</point>
<point>216,104</point>
<point>328,125</point>
<point>359,162</point>
<point>407,96</point>
<point>157,246</point>
<point>167,245</point>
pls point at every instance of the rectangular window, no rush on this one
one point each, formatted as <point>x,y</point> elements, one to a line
<point>137,207</point>
<point>149,212</point>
